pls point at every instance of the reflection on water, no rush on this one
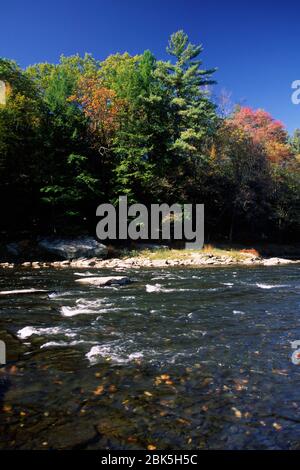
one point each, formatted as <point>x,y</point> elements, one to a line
<point>181,358</point>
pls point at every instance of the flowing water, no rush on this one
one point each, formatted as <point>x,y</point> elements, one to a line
<point>179,359</point>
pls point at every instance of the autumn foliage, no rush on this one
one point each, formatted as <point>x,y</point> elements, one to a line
<point>101,105</point>
<point>264,131</point>
<point>80,132</point>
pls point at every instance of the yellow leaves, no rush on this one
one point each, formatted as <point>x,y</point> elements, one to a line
<point>213,152</point>
<point>7,408</point>
<point>99,390</point>
<point>151,447</point>
<point>237,413</point>
<point>148,394</point>
<point>277,426</point>
<point>240,384</point>
<point>165,377</point>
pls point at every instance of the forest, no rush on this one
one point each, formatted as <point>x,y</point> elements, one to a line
<point>83,132</point>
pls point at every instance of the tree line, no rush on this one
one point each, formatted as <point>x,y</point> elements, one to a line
<point>83,132</point>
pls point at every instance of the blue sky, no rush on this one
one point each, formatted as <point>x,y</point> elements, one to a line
<point>254,44</point>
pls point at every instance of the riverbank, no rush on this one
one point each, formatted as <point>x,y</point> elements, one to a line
<point>158,258</point>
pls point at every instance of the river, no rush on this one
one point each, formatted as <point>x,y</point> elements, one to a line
<point>180,359</point>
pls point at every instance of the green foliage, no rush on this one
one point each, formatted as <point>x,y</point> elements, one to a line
<point>166,144</point>
<point>295,142</point>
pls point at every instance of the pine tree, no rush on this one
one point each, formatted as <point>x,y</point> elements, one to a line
<point>193,114</point>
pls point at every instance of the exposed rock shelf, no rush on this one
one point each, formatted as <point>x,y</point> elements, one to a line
<point>105,281</point>
<point>194,259</point>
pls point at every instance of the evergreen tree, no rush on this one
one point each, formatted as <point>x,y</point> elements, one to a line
<point>192,113</point>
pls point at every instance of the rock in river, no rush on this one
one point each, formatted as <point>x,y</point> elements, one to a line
<point>23,292</point>
<point>105,281</point>
<point>276,261</point>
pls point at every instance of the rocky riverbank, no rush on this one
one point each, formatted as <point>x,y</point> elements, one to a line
<point>147,261</point>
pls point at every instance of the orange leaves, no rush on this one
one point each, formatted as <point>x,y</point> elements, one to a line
<point>101,105</point>
<point>237,413</point>
<point>7,408</point>
<point>240,384</point>
<point>13,370</point>
<point>250,251</point>
<point>163,379</point>
<point>99,390</point>
<point>278,151</point>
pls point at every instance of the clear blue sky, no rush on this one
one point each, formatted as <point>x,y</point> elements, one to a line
<point>254,44</point>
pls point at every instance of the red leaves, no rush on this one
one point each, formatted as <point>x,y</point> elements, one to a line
<point>264,131</point>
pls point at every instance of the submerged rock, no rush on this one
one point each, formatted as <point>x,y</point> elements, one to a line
<point>105,281</point>
<point>67,249</point>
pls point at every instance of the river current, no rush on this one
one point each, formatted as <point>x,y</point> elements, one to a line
<point>180,359</point>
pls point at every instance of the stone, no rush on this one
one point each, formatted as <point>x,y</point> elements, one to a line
<point>276,261</point>
<point>23,292</point>
<point>105,281</point>
<point>74,248</point>
<point>36,264</point>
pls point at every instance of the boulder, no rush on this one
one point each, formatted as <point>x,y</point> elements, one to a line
<point>23,292</point>
<point>276,261</point>
<point>105,281</point>
<point>68,248</point>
